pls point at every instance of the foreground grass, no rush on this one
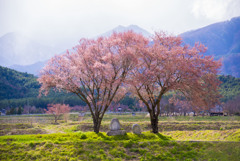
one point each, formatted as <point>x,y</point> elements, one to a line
<point>91,146</point>
<point>83,136</point>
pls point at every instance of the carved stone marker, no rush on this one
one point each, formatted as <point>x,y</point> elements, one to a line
<point>115,125</point>
<point>115,128</point>
<point>81,116</point>
<point>136,129</point>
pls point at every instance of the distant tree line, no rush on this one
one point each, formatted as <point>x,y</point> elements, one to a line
<point>231,106</point>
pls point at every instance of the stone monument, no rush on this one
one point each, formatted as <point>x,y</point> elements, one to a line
<point>136,129</point>
<point>115,128</point>
<point>81,116</point>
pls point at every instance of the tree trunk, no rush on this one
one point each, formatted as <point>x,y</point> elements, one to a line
<point>55,119</point>
<point>159,109</point>
<point>154,123</point>
<point>96,125</point>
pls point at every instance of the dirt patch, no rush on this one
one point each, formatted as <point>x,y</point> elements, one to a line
<point>19,129</point>
<point>15,126</point>
<point>22,131</point>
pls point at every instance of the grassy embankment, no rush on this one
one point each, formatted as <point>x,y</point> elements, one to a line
<point>91,146</point>
<point>69,142</point>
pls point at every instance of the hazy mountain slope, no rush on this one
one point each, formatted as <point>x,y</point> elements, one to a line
<point>31,69</point>
<point>36,67</point>
<point>134,28</point>
<point>18,49</point>
<point>4,61</point>
<point>222,40</point>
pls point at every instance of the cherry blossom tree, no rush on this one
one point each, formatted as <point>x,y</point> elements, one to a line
<point>57,110</point>
<point>166,64</point>
<point>184,106</point>
<point>95,71</point>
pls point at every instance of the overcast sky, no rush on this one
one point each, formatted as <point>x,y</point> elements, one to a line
<point>55,21</point>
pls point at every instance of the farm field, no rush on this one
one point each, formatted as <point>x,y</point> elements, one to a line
<point>35,137</point>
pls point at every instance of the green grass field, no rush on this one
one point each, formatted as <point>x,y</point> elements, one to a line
<point>180,138</point>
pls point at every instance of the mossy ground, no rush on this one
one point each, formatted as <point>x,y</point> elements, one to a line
<point>91,146</point>
<point>189,138</point>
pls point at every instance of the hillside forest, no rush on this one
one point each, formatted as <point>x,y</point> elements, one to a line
<point>19,93</point>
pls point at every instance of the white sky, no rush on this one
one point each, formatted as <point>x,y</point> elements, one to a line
<point>57,21</point>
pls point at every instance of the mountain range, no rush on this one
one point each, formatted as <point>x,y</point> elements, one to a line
<point>31,69</point>
<point>37,66</point>
<point>222,40</point>
<point>121,28</point>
